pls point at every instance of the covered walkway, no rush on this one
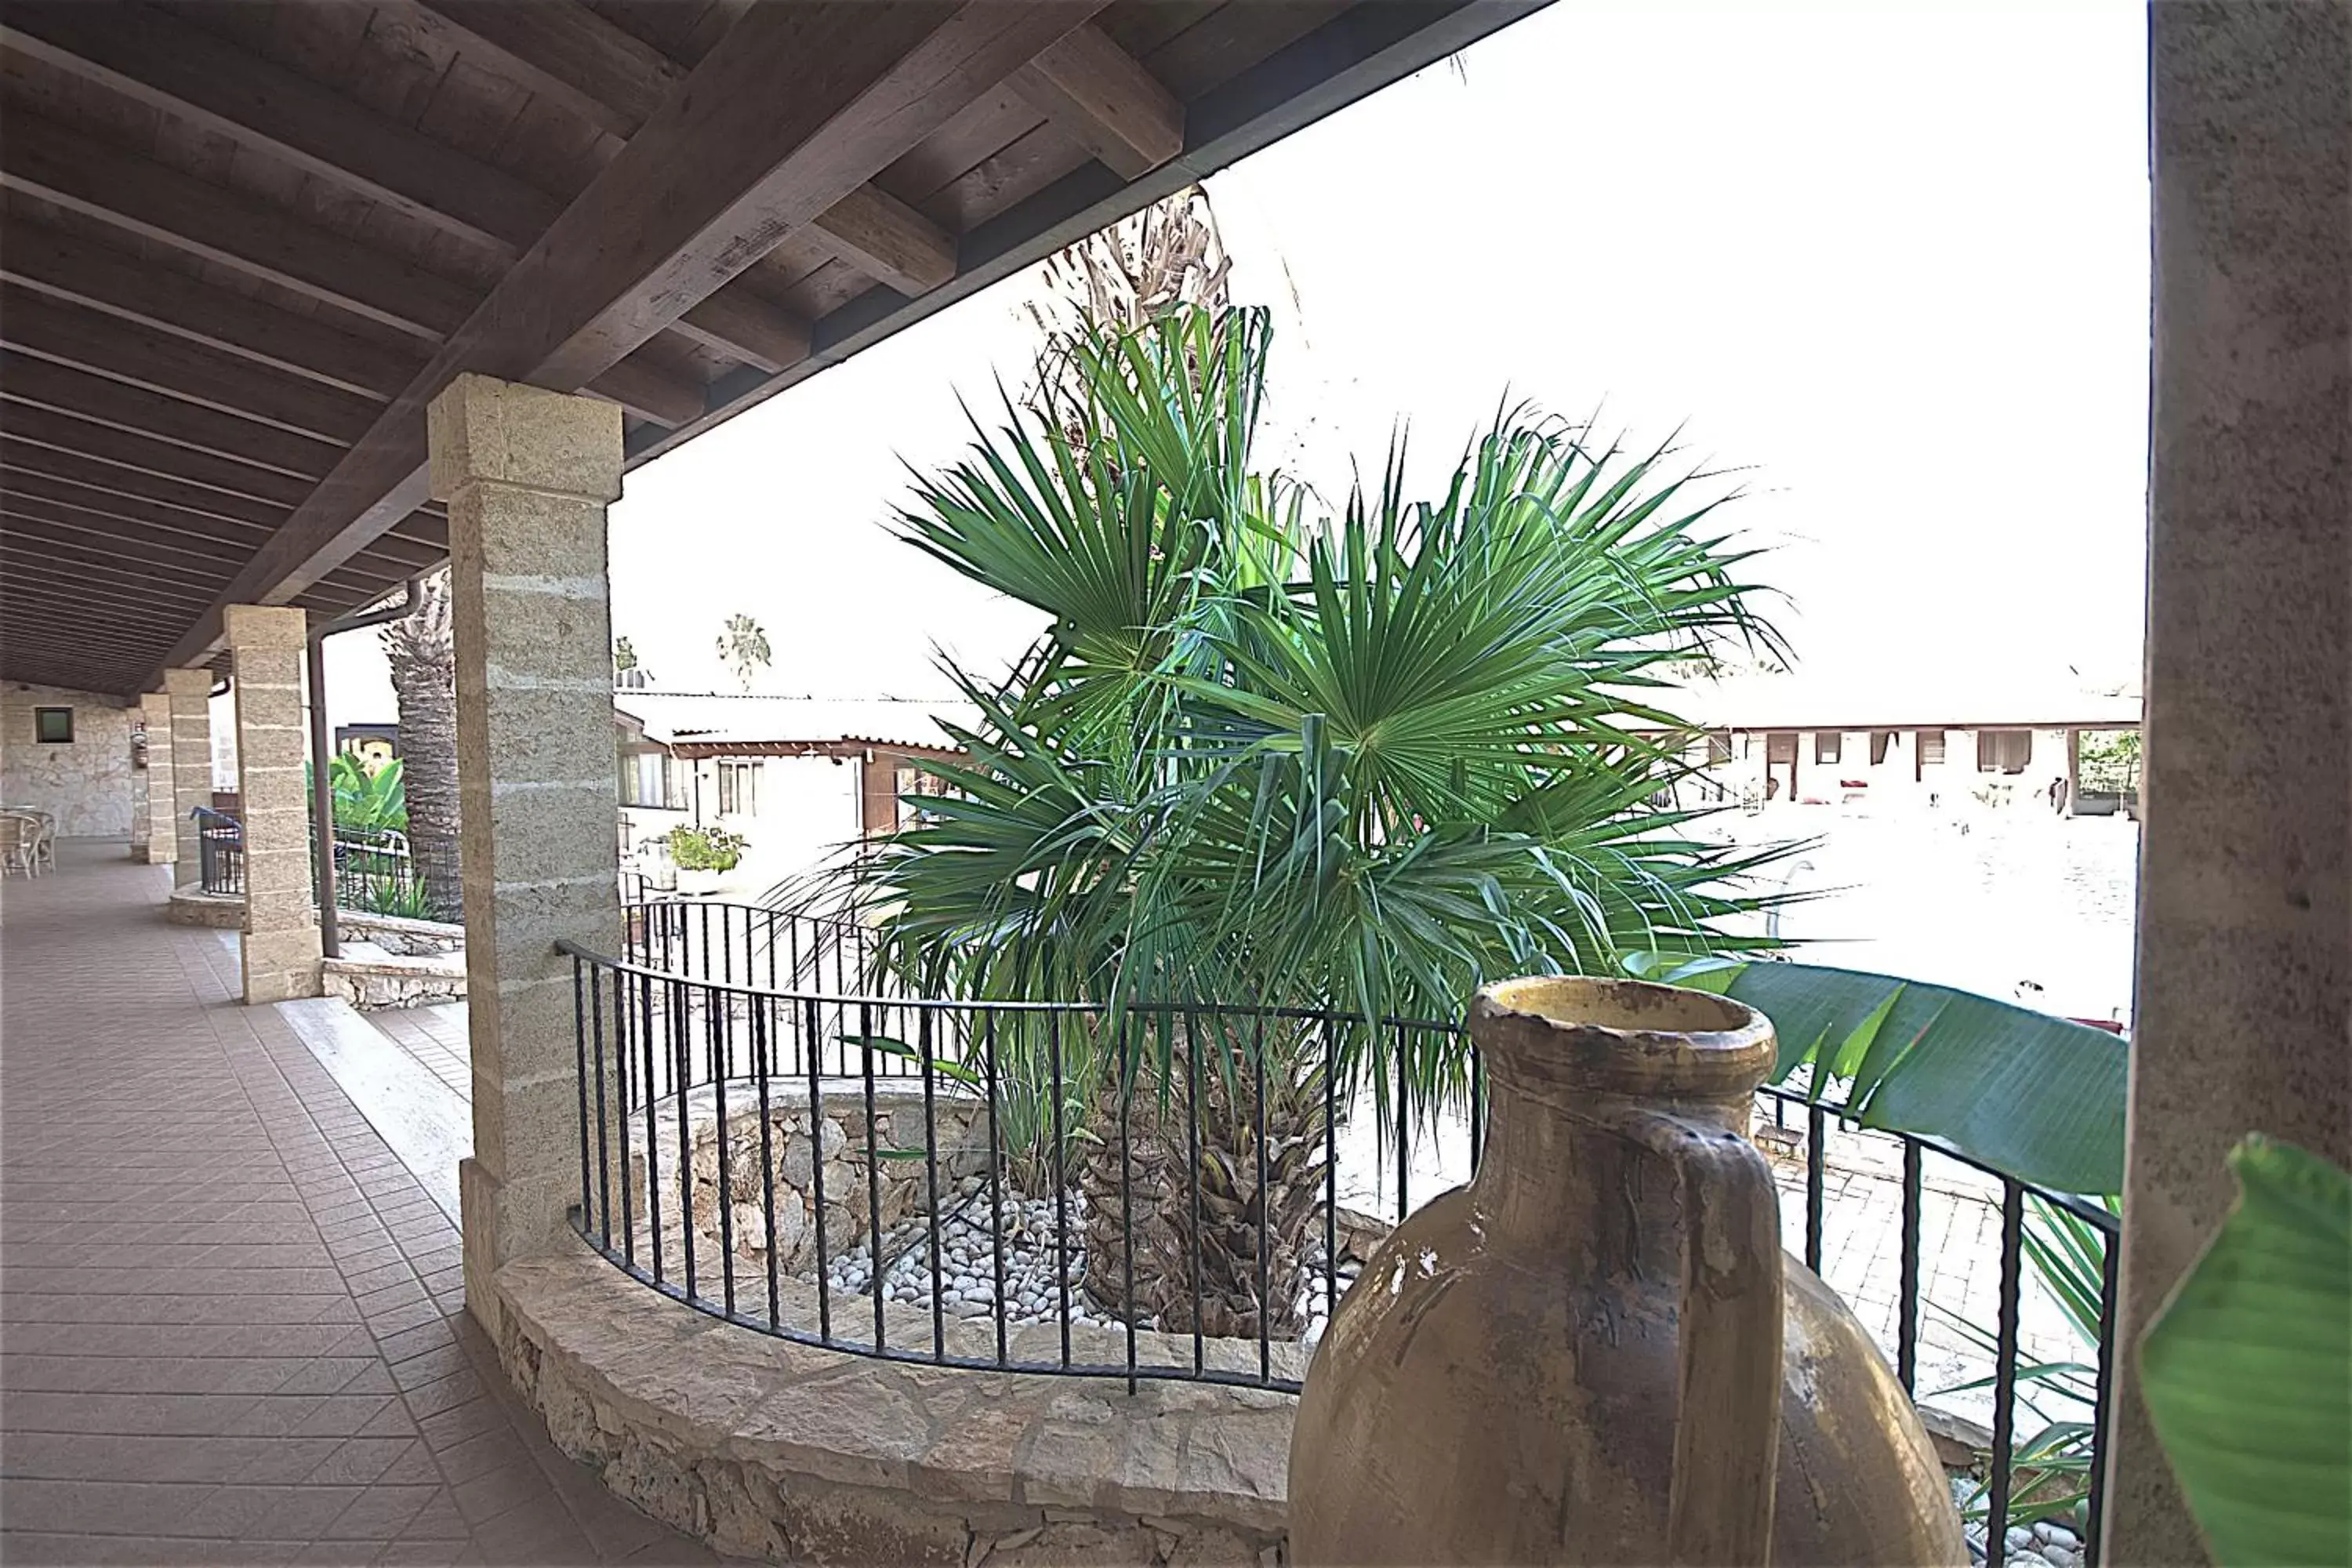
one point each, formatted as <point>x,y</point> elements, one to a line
<point>232,1325</point>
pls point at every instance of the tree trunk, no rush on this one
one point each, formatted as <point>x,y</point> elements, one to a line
<point>424,678</point>
<point>1140,1181</point>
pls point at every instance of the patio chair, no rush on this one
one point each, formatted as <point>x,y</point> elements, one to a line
<point>43,851</point>
<point>15,844</point>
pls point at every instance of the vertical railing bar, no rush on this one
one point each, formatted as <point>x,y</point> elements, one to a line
<point>873,1169</point>
<point>1478,1109</point>
<point>624,1069</point>
<point>931,1175</point>
<point>1193,1173</point>
<point>682,1048</point>
<point>2004,1391</point>
<point>1906,1317</point>
<point>1816,1180</point>
<point>1061,1184</point>
<point>2095,1526</point>
<point>653,1126</point>
<point>1403,1134</point>
<point>812,1026</point>
<point>995,1178</point>
<point>1330,1169</point>
<point>1125,1195</point>
<point>763,1053</point>
<point>580,1051</point>
<point>1265,1214</point>
<point>722,1027</point>
<point>603,1126</point>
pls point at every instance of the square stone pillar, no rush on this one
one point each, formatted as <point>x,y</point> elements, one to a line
<point>163,836</point>
<point>190,692</point>
<point>280,947</point>
<point>2245,983</point>
<point>527,475</point>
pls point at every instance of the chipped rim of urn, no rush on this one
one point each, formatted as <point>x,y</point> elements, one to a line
<point>1632,1037</point>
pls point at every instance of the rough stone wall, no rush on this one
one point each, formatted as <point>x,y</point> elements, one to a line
<point>86,783</point>
<point>791,1454</point>
<point>839,1146</point>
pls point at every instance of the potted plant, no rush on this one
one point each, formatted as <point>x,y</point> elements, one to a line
<point>703,857</point>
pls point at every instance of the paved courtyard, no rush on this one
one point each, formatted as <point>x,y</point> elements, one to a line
<point>231,1321</point>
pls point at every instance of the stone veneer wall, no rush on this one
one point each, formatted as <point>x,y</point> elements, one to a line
<point>795,1454</point>
<point>960,1133</point>
<point>86,783</point>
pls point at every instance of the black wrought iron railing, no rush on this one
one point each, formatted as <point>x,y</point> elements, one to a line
<point>220,851</point>
<point>374,873</point>
<point>765,1139</point>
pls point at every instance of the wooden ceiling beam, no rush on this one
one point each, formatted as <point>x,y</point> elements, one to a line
<point>127,450</point>
<point>28,480</point>
<point>25,378</point>
<point>1101,97</point>
<point>98,478</point>
<point>797,107</point>
<point>651,392</point>
<point>179,596</point>
<point>153,58</point>
<point>100,277</point>
<point>79,644</point>
<point>889,241</point>
<point>125,514</point>
<point>80,173</point>
<point>180,367</point>
<point>740,325</point>
<point>617,81</point>
<point>26,525</point>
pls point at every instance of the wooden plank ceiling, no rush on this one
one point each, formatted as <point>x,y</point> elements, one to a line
<point>242,246</point>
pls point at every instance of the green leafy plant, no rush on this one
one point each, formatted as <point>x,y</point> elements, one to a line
<point>2247,1371</point>
<point>404,898</point>
<point>1361,761</point>
<point>2034,1096</point>
<point>2108,762</point>
<point>706,848</point>
<point>368,800</point>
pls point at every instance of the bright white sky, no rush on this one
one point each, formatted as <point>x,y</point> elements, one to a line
<point>1890,261</point>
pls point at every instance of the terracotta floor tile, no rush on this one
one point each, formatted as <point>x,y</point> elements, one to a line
<point>225,1329</point>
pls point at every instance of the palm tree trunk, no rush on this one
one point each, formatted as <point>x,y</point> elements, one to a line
<point>424,664</point>
<point>1211,1243</point>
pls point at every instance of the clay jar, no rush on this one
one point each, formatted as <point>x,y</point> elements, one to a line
<point>1596,1352</point>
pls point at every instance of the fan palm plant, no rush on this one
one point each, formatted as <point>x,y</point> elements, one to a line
<point>1361,763</point>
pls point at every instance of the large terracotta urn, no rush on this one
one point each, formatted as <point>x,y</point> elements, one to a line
<point>1596,1352</point>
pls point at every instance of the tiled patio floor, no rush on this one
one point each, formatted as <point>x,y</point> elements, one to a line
<point>231,1322</point>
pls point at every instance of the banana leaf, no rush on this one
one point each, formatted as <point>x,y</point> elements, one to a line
<point>2247,1372</point>
<point>2031,1095</point>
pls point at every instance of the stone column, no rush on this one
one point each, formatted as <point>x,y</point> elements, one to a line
<point>280,947</point>
<point>190,691</point>
<point>2245,928</point>
<point>162,836</point>
<point>527,475</point>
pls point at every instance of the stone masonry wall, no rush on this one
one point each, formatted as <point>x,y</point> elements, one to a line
<point>774,1450</point>
<point>84,783</point>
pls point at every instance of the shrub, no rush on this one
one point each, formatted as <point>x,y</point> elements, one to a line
<point>706,848</point>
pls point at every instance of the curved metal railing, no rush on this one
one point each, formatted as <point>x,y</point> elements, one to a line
<point>1036,1220</point>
